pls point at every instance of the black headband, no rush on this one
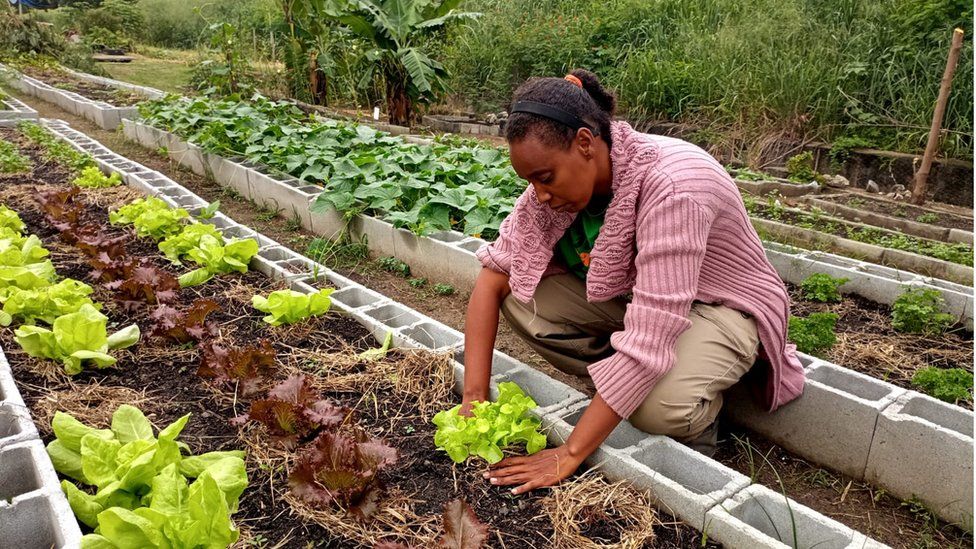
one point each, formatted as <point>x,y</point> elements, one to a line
<point>552,113</point>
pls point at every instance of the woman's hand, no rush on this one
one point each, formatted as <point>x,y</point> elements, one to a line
<point>544,468</point>
<point>550,466</point>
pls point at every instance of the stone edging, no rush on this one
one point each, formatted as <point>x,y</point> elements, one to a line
<point>907,226</point>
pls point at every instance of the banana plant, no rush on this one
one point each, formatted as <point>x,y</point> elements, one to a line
<point>396,33</point>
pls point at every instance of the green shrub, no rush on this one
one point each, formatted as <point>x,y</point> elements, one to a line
<point>948,384</point>
<point>814,333</point>
<point>800,168</point>
<point>919,310</point>
<point>822,287</point>
<point>11,161</point>
<point>394,265</point>
<point>444,289</point>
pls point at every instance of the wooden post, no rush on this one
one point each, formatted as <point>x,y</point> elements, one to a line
<point>922,177</point>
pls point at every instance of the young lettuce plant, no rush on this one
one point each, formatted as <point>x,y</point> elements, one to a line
<point>143,284</point>
<point>246,367</point>
<point>341,469</point>
<point>151,217</point>
<point>294,411</point>
<point>44,304</point>
<point>493,427</point>
<point>185,325</point>
<point>179,245</point>
<point>289,306</point>
<point>10,222</point>
<point>76,339</point>
<point>141,495</point>
<point>215,258</point>
<point>93,178</point>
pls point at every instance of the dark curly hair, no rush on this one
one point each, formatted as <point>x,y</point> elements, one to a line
<point>593,104</point>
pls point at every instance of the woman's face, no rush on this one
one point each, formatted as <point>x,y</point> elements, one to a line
<point>564,179</point>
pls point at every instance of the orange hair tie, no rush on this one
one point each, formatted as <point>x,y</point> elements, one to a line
<point>576,81</point>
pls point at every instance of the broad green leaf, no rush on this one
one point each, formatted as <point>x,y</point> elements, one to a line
<point>125,337</point>
<point>127,530</point>
<point>66,461</point>
<point>129,424</point>
<point>173,430</point>
<point>98,459</point>
<point>193,466</point>
<point>97,541</point>
<point>84,505</point>
<point>170,492</point>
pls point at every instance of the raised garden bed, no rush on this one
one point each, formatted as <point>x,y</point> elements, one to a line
<point>889,214</point>
<point>103,101</point>
<point>393,398</point>
<point>943,260</point>
<point>12,111</point>
<point>762,184</point>
<point>616,461</point>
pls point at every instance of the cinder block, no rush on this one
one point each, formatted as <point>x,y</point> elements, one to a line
<point>286,199</point>
<point>25,470</point>
<point>683,481</point>
<point>393,315</point>
<point>924,448</point>
<point>500,362</point>
<point>757,517</point>
<point>15,425</point>
<point>380,235</point>
<point>187,155</point>
<point>8,389</point>
<point>326,222</point>
<point>548,393</point>
<point>432,335</point>
<point>44,521</point>
<point>357,297</point>
<point>437,257</point>
<point>471,244</point>
<point>831,423</point>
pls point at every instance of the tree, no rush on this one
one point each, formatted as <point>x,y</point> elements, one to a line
<point>396,32</point>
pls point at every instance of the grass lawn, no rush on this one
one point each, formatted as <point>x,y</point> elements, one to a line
<point>169,74</point>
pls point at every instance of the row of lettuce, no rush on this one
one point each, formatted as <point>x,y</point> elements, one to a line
<point>146,489</point>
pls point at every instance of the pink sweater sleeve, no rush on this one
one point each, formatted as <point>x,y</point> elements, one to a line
<point>671,238</point>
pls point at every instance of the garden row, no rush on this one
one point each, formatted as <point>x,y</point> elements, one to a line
<point>832,382</point>
<point>304,384</point>
<point>668,459</point>
<point>104,101</point>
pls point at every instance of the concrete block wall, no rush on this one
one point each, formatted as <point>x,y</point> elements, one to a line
<point>682,481</point>
<point>105,115</point>
<point>34,513</point>
<point>151,93</point>
<point>13,111</point>
<point>923,448</point>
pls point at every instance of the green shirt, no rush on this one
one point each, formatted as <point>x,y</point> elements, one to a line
<point>577,242</point>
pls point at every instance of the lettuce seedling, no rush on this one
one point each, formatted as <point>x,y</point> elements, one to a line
<point>44,304</point>
<point>93,178</point>
<point>151,217</point>
<point>76,339</point>
<point>246,367</point>
<point>143,284</point>
<point>18,251</point>
<point>179,245</point>
<point>27,277</point>
<point>342,469</point>
<point>294,411</point>
<point>289,306</point>
<point>142,496</point>
<point>185,325</point>
<point>215,258</point>
<point>10,222</point>
<point>493,427</point>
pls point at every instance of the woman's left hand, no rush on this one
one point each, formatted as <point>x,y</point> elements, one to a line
<point>544,468</point>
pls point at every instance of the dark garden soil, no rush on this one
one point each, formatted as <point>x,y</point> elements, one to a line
<point>166,373</point>
<point>98,92</point>
<point>876,514</point>
<point>903,210</point>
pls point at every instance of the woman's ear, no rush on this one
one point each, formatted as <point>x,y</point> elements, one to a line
<point>584,142</point>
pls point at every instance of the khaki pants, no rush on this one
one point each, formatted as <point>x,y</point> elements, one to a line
<point>711,356</point>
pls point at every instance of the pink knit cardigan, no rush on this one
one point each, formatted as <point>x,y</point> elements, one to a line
<point>675,231</point>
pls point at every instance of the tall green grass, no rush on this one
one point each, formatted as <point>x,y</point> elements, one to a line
<point>813,68</point>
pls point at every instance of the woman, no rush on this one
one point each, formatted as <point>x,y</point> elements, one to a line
<point>629,258</point>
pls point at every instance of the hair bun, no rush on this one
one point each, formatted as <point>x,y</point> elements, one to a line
<point>591,83</point>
